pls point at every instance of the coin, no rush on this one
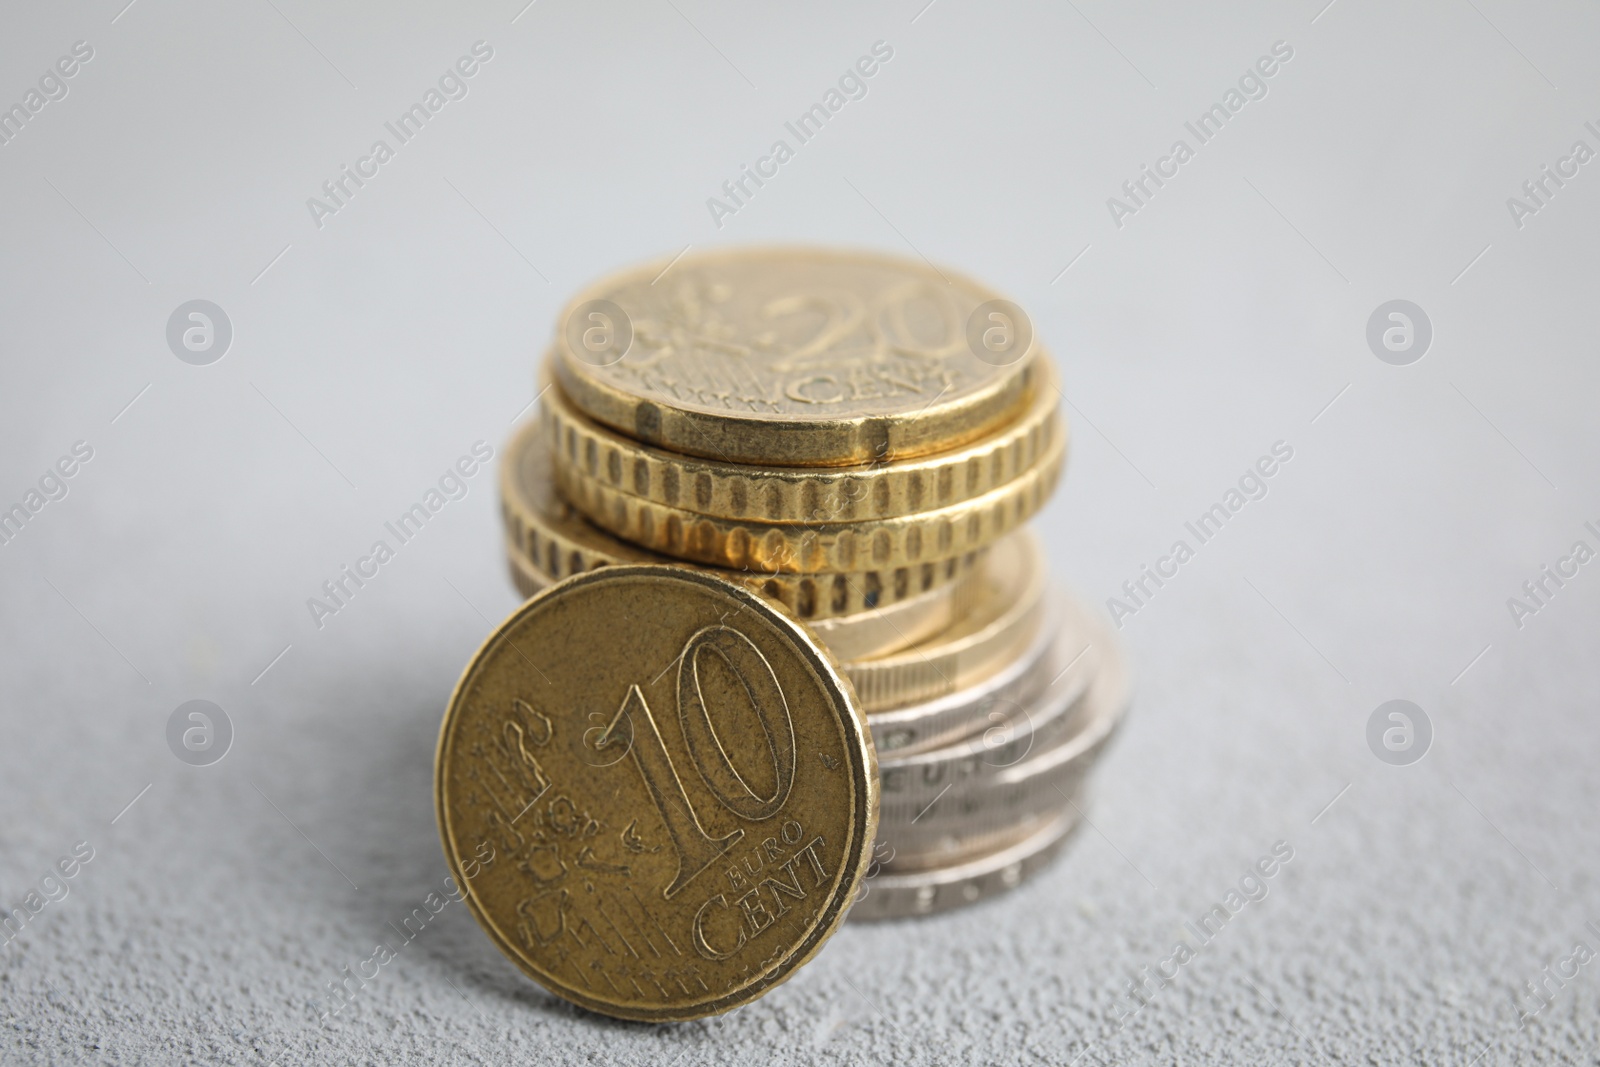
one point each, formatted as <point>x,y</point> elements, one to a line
<point>1014,730</point>
<point>936,723</point>
<point>927,841</point>
<point>894,627</point>
<point>655,792</point>
<point>806,494</point>
<point>557,541</point>
<point>897,895</point>
<point>994,633</point>
<point>825,543</point>
<point>1005,616</point>
<point>860,635</point>
<point>995,809</point>
<point>791,357</point>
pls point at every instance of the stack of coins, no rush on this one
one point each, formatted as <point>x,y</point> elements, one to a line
<point>861,440</point>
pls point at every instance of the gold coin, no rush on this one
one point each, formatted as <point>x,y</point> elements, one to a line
<point>897,626</point>
<point>1002,618</point>
<point>656,792</point>
<point>996,632</point>
<point>806,494</point>
<point>823,545</point>
<point>795,356</point>
<point>559,542</point>
<point>860,635</point>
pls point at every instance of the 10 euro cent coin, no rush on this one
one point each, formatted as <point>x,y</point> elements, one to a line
<point>656,791</point>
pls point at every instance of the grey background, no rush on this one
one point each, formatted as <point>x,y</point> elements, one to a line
<point>1228,314</point>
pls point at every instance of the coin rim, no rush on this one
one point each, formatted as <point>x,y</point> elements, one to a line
<point>1032,853</point>
<point>840,633</point>
<point>1047,714</point>
<point>807,442</point>
<point>858,743</point>
<point>816,548</point>
<point>519,514</point>
<point>1108,700</point>
<point>1034,432</point>
<point>946,720</point>
<point>955,659</point>
<point>910,621</point>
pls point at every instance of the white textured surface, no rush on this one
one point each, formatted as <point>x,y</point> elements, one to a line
<point>1221,318</point>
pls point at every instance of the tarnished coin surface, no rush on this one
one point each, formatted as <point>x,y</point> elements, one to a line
<point>656,792</point>
<point>795,356</point>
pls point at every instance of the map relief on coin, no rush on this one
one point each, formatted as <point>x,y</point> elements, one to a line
<point>675,798</point>
<point>798,339</point>
<point>796,349</point>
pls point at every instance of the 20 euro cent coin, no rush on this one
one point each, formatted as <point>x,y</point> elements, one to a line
<point>796,357</point>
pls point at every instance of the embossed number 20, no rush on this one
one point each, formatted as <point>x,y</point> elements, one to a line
<point>697,849</point>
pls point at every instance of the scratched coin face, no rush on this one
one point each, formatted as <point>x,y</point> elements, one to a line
<point>656,791</point>
<point>796,357</point>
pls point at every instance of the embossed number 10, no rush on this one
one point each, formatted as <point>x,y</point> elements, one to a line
<point>697,849</point>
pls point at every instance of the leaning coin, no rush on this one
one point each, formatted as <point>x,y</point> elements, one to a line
<point>656,792</point>
<point>557,541</point>
<point>888,895</point>
<point>795,356</point>
<point>826,542</point>
<point>805,494</point>
<point>997,808</point>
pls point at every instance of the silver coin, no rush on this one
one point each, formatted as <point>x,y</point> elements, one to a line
<point>953,849</point>
<point>938,722</point>
<point>887,895</point>
<point>995,808</point>
<point>1009,731</point>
